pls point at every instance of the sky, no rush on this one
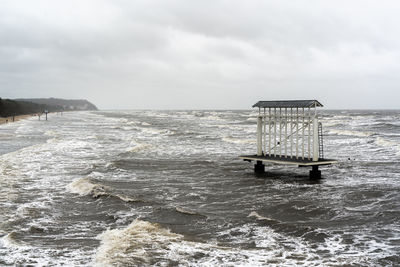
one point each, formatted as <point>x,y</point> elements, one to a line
<point>208,54</point>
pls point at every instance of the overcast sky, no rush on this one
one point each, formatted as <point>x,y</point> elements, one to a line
<point>204,54</point>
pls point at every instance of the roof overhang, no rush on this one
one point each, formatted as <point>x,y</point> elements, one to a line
<point>288,104</point>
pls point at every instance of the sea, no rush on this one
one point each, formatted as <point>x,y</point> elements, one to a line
<point>166,188</point>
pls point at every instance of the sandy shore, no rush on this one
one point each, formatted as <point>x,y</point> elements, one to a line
<point>16,118</point>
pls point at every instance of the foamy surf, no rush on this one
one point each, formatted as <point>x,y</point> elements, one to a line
<point>146,243</point>
<point>389,144</point>
<point>85,186</point>
<point>351,133</point>
<point>258,216</point>
<point>238,141</point>
<point>138,147</point>
<point>133,245</point>
<point>186,211</point>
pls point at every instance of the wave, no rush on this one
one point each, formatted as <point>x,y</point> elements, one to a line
<point>133,244</point>
<point>211,118</point>
<point>154,131</point>
<point>138,147</point>
<point>239,141</point>
<point>259,217</point>
<point>9,240</point>
<point>388,143</point>
<point>351,133</point>
<point>186,211</point>
<point>146,243</point>
<point>85,186</point>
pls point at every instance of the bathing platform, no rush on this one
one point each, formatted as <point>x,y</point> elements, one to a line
<point>259,167</point>
<point>283,160</point>
<point>289,132</point>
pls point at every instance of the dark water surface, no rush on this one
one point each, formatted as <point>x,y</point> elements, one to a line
<point>126,188</point>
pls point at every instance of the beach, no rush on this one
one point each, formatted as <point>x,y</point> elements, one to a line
<point>11,119</point>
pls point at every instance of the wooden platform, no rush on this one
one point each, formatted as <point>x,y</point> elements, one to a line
<point>288,160</point>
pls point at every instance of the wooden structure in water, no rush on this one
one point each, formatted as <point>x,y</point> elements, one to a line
<point>288,132</point>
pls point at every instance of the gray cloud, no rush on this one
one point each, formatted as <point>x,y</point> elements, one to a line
<point>201,54</point>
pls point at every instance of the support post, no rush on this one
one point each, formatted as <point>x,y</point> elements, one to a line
<point>315,139</point>
<point>265,132</point>
<point>315,173</point>
<point>259,167</point>
<point>302,139</point>
<point>259,136</point>
<point>291,132</point>
<point>297,133</point>
<point>309,133</point>
<point>274,132</point>
<point>280,132</point>
<point>286,137</point>
<point>269,132</point>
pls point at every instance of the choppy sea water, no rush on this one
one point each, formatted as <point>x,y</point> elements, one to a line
<point>128,188</point>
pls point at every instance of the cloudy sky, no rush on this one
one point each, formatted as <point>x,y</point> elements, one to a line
<point>207,54</point>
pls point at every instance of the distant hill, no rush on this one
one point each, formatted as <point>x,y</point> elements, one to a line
<point>15,107</point>
<point>66,104</point>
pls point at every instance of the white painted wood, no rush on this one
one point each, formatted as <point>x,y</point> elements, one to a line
<point>291,132</point>
<point>283,161</point>
<point>280,132</point>
<point>309,133</point>
<point>297,133</point>
<point>302,139</point>
<point>259,135</point>
<point>315,139</point>
<point>269,132</point>
<point>265,133</point>
<point>286,137</point>
<point>275,132</point>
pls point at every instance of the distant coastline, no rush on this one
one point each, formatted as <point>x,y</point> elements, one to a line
<point>10,109</point>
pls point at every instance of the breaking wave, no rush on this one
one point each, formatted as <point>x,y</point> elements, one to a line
<point>238,141</point>
<point>259,217</point>
<point>146,243</point>
<point>387,143</point>
<point>351,133</point>
<point>85,186</point>
<point>186,211</point>
<point>134,244</point>
<point>138,147</point>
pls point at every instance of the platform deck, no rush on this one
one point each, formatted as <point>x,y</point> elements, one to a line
<point>288,160</point>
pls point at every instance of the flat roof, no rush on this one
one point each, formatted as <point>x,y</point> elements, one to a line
<point>288,104</point>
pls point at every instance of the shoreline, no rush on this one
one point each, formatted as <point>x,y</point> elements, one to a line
<point>5,120</point>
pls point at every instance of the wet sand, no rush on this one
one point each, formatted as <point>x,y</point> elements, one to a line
<point>4,120</point>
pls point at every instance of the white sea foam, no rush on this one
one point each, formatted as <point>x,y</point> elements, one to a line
<point>136,147</point>
<point>258,216</point>
<point>21,254</point>
<point>85,186</point>
<point>145,243</point>
<point>9,241</point>
<point>238,141</point>
<point>388,143</point>
<point>154,131</point>
<point>351,133</point>
<point>185,211</point>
